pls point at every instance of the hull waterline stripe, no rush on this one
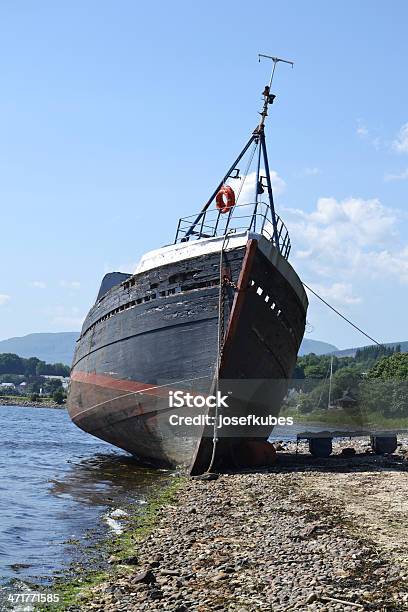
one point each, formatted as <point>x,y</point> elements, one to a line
<point>106,382</point>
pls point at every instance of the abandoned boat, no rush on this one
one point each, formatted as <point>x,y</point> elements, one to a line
<point>219,312</point>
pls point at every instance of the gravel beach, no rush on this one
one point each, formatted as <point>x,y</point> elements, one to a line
<point>307,535</point>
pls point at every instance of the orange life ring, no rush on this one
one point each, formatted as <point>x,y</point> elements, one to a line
<point>225,205</point>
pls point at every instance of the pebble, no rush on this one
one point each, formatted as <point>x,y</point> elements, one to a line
<point>260,541</point>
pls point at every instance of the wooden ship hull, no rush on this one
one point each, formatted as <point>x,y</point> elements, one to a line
<point>158,331</point>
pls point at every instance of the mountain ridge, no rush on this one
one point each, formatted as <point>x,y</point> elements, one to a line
<point>350,352</point>
<point>58,347</point>
<point>52,347</point>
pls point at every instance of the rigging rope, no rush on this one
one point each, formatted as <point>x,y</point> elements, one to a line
<point>220,342</point>
<point>321,393</point>
<point>251,157</point>
<point>342,316</point>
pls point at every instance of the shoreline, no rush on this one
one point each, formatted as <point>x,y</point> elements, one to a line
<point>26,403</point>
<point>306,535</point>
<point>116,552</point>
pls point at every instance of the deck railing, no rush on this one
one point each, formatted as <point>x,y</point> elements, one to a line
<point>244,217</point>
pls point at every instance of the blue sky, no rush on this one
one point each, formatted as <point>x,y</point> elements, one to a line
<point>116,118</point>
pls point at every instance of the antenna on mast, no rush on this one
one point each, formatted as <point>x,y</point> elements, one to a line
<point>258,139</point>
<point>268,97</point>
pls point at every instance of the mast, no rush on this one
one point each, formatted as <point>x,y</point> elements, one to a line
<point>227,175</point>
<point>330,381</point>
<point>259,133</point>
<point>257,137</point>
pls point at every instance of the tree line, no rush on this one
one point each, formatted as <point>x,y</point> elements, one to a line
<point>31,366</point>
<point>375,380</point>
<point>318,366</point>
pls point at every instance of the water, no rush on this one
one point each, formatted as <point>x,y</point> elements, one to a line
<point>56,484</point>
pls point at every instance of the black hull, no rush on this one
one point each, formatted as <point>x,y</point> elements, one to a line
<point>158,331</point>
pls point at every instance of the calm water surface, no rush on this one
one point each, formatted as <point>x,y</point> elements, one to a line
<point>57,483</point>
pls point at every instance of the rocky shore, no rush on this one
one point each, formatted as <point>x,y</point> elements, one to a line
<point>27,403</point>
<point>307,535</point>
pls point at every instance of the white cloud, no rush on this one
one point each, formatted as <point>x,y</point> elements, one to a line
<point>391,263</point>
<point>402,176</point>
<point>4,299</point>
<point>362,131</point>
<point>38,284</point>
<point>335,223</point>
<point>340,293</point>
<point>247,186</point>
<point>70,284</point>
<point>400,144</point>
<point>348,240</point>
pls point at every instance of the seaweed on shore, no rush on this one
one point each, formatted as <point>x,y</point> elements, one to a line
<point>113,555</point>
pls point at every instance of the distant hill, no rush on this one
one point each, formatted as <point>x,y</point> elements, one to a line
<point>59,347</point>
<point>316,346</point>
<point>350,352</point>
<point>51,348</point>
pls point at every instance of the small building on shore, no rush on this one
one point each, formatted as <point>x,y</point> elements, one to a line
<point>7,386</point>
<point>64,379</point>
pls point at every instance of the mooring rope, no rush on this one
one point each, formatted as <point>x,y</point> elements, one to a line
<point>220,340</point>
<point>342,316</point>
